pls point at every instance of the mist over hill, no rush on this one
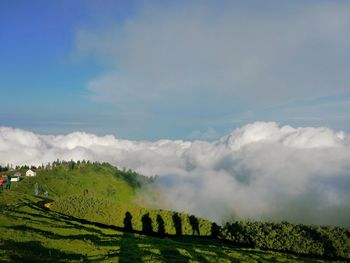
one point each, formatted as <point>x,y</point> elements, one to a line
<point>261,171</point>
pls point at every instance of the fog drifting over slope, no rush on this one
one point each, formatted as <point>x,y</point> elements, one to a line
<point>259,171</point>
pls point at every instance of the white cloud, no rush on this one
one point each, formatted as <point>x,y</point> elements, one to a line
<point>259,171</point>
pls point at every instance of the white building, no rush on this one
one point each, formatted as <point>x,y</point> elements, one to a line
<point>30,173</point>
<point>14,178</point>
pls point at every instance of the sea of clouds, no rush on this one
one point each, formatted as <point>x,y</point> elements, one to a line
<point>260,172</point>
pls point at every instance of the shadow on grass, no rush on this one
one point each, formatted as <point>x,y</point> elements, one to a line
<point>177,224</point>
<point>127,247</point>
<point>172,254</point>
<point>215,230</point>
<point>34,251</point>
<point>128,222</point>
<point>161,227</point>
<point>97,239</point>
<point>147,227</point>
<point>129,250</point>
<point>194,224</point>
<point>65,221</point>
<point>37,223</point>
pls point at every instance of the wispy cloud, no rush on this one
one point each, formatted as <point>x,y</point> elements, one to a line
<point>193,59</point>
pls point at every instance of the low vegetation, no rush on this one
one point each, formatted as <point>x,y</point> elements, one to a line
<point>94,216</point>
<point>328,242</point>
<point>132,217</point>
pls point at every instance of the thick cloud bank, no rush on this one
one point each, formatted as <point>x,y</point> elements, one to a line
<point>260,171</point>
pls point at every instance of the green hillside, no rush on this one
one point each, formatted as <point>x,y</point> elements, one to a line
<point>97,180</point>
<point>30,233</point>
<point>104,194</point>
<point>95,216</point>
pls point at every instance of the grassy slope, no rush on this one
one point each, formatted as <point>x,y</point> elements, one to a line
<point>31,233</point>
<point>100,180</point>
<point>114,213</point>
<point>101,193</point>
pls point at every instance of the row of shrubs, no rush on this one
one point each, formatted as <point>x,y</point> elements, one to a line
<point>132,217</point>
<point>329,242</point>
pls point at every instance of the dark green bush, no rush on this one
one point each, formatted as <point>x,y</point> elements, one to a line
<point>331,242</point>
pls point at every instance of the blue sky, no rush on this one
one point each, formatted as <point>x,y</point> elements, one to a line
<point>177,70</point>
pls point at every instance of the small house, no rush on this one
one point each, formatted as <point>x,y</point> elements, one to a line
<point>30,173</point>
<point>15,178</point>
